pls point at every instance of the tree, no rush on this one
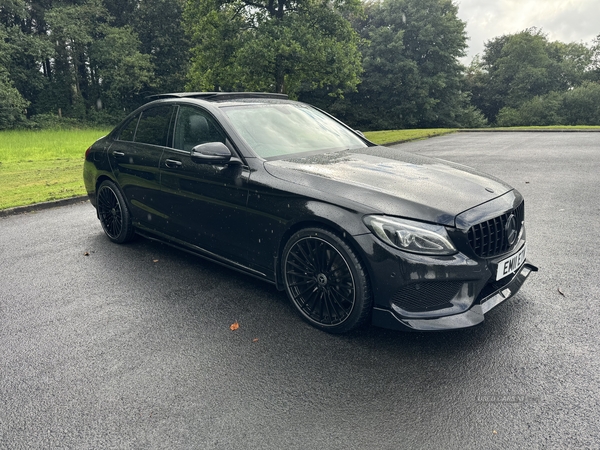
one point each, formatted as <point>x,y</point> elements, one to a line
<point>593,74</point>
<point>277,46</point>
<point>72,29</point>
<point>158,23</point>
<point>25,48</point>
<point>119,71</point>
<point>411,68</point>
<point>94,63</point>
<point>519,67</point>
<point>539,111</point>
<point>581,106</point>
<point>577,106</point>
<point>12,104</point>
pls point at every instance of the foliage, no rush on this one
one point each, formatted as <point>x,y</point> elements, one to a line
<point>581,106</point>
<point>78,58</point>
<point>68,62</point>
<point>101,63</point>
<point>285,46</point>
<point>593,73</point>
<point>517,68</point>
<point>578,106</point>
<point>411,68</point>
<point>120,70</point>
<point>94,119</point>
<point>158,24</point>
<point>12,104</point>
<point>539,111</point>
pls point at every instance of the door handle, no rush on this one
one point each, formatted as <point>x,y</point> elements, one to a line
<point>118,154</point>
<point>173,163</point>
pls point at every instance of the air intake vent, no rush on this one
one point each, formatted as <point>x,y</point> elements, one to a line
<point>428,296</point>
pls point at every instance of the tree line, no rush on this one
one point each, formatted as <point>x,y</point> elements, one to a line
<point>376,64</point>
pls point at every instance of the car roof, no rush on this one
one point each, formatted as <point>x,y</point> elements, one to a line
<point>219,96</point>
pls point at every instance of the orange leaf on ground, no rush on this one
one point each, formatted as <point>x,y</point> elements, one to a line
<point>234,326</point>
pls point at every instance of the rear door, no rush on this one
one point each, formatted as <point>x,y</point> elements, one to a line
<point>135,157</point>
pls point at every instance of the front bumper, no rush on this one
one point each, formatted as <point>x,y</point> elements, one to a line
<point>419,292</point>
<point>388,319</point>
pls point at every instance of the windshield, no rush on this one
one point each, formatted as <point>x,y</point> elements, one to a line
<point>279,129</point>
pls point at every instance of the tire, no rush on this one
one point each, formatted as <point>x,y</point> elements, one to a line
<point>114,213</point>
<point>325,281</point>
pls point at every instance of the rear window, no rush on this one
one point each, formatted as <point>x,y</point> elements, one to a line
<point>128,131</point>
<point>152,126</point>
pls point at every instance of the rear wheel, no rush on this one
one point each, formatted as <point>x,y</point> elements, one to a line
<point>113,213</point>
<point>325,281</point>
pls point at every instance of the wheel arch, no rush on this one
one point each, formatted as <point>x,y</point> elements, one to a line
<point>105,177</point>
<point>93,195</point>
<point>102,178</point>
<point>316,222</point>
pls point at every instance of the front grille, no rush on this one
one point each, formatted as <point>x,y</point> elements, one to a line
<point>488,239</point>
<point>428,296</point>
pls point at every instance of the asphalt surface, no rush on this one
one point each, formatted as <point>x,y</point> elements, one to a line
<point>107,346</point>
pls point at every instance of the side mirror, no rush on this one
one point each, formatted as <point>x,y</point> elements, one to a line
<point>360,133</point>
<point>212,153</point>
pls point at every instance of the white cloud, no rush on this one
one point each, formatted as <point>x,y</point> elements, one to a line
<point>561,20</point>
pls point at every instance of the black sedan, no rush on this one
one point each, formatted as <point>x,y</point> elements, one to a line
<point>280,190</point>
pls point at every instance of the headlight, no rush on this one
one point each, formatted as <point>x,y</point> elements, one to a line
<point>410,236</point>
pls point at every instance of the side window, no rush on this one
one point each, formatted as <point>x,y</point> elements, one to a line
<point>194,127</point>
<point>128,131</point>
<point>153,127</point>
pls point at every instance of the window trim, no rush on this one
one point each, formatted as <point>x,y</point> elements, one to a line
<point>137,116</point>
<point>228,141</point>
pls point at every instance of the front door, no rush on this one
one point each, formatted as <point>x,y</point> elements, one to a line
<point>205,203</point>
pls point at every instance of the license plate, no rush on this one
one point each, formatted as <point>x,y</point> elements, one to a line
<point>511,264</point>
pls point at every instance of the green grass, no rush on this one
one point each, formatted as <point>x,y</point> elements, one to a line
<point>548,127</point>
<point>39,166</point>
<point>395,136</point>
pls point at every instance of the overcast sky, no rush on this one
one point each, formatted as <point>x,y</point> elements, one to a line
<point>561,20</point>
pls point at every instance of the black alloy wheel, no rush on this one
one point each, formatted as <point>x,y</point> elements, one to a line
<point>325,281</point>
<point>113,213</point>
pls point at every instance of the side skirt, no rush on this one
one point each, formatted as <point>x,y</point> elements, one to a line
<point>198,251</point>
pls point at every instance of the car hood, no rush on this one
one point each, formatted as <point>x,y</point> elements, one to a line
<point>393,182</point>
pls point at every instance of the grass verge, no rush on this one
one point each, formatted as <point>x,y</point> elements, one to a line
<point>548,127</point>
<point>39,166</point>
<point>397,136</point>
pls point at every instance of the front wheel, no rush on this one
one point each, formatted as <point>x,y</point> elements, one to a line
<point>325,281</point>
<point>113,213</point>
